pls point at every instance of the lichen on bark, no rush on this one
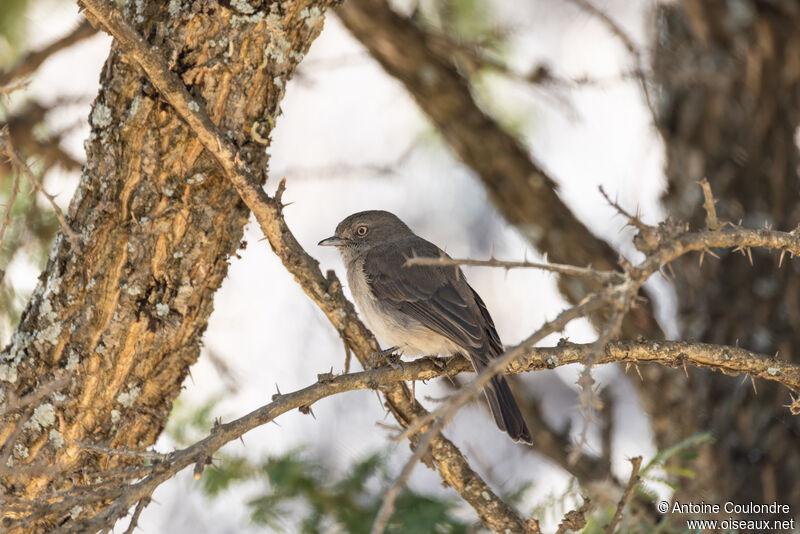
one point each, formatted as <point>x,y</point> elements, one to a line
<point>123,313</point>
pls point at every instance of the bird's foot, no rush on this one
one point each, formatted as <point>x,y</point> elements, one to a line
<point>439,363</point>
<point>386,355</point>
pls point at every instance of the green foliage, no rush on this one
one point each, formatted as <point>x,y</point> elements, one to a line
<point>301,493</point>
<point>187,424</point>
<point>465,21</point>
<point>296,482</point>
<point>684,451</point>
<point>637,516</point>
<point>11,21</point>
<point>301,490</point>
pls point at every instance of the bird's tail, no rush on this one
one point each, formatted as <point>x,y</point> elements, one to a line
<point>505,410</point>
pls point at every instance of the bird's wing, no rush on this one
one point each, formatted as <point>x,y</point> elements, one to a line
<point>437,297</point>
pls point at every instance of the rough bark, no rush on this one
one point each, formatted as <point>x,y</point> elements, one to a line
<point>730,82</point>
<point>122,315</point>
<point>520,189</point>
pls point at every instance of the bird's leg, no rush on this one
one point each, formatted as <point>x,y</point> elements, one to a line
<point>388,355</point>
<point>437,362</point>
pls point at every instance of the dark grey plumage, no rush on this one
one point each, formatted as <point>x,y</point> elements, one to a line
<point>421,310</point>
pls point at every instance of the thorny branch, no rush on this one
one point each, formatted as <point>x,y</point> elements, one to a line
<point>326,293</point>
<point>633,50</point>
<point>731,360</point>
<point>669,244</point>
<point>567,270</point>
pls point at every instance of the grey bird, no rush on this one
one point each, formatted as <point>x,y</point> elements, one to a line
<point>421,310</point>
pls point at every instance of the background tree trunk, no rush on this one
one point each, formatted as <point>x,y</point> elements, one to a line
<point>122,311</point>
<point>730,80</point>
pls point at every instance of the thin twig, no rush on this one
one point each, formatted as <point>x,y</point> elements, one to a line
<point>9,206</point>
<point>628,43</point>
<point>588,273</point>
<point>144,455</point>
<point>7,89</point>
<point>136,513</point>
<point>18,162</point>
<point>32,60</point>
<point>12,403</point>
<point>632,481</point>
<point>709,205</point>
<point>575,520</point>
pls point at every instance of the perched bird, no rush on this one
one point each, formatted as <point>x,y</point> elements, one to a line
<point>421,310</point>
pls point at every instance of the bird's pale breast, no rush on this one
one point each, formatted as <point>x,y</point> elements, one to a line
<point>392,327</point>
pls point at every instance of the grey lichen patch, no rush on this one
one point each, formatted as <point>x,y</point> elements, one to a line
<point>174,7</point>
<point>238,20</point>
<point>552,361</point>
<point>50,334</point>
<point>115,416</point>
<point>101,116</point>
<point>772,371</point>
<point>139,4</point>
<point>242,6</point>
<point>75,511</point>
<point>127,398</point>
<point>278,46</point>
<point>53,284</point>
<point>56,438</point>
<point>162,310</point>
<point>132,290</point>
<point>21,451</point>
<point>312,16</point>
<point>43,416</point>
<point>198,178</point>
<point>72,361</point>
<point>194,106</point>
<point>8,373</point>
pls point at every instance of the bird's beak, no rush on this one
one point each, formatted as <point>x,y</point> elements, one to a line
<point>332,242</point>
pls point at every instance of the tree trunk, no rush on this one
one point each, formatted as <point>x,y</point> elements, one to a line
<point>730,80</point>
<point>121,312</point>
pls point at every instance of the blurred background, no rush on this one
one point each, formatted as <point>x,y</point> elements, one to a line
<point>351,138</point>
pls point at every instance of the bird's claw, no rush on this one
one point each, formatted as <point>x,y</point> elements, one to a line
<point>387,355</point>
<point>439,363</point>
<point>394,362</point>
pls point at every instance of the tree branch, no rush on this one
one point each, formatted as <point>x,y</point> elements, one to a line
<point>32,60</point>
<point>327,294</point>
<point>588,273</point>
<point>19,163</point>
<point>636,463</point>
<point>731,360</point>
<point>519,188</point>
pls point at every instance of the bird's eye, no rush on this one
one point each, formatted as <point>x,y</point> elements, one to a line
<point>362,230</point>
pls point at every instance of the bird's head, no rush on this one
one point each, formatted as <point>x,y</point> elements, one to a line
<point>364,229</point>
